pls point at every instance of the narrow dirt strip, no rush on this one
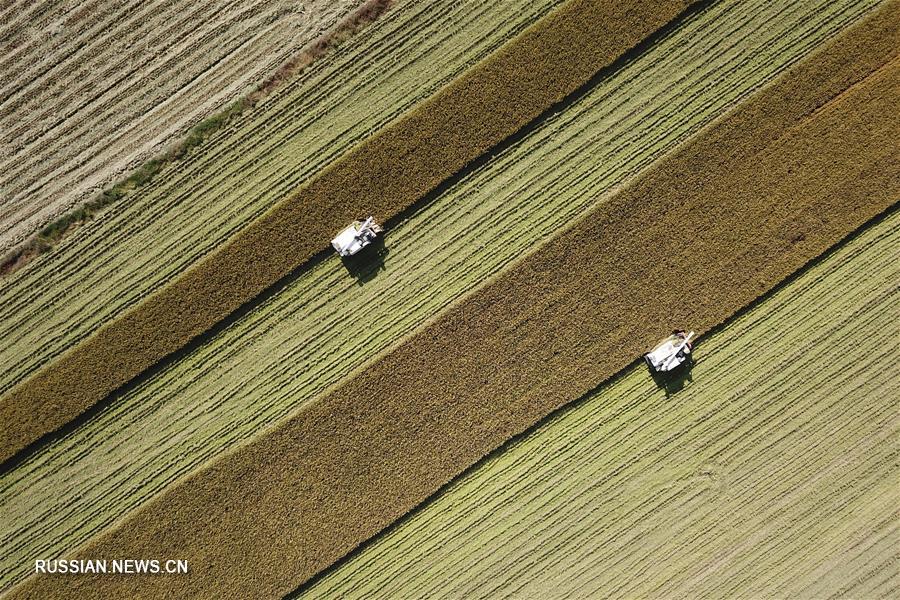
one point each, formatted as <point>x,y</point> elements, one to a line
<point>383,176</point>
<point>726,217</point>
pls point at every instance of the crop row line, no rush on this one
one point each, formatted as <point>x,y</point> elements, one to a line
<point>236,388</point>
<point>749,213</point>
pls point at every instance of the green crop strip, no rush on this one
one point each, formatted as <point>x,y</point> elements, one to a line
<point>482,108</point>
<point>543,333</point>
<point>282,356</point>
<point>785,427</point>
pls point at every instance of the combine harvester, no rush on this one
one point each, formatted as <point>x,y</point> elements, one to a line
<point>670,353</point>
<point>356,236</point>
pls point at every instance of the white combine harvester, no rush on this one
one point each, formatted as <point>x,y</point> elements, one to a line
<point>670,353</point>
<point>356,236</point>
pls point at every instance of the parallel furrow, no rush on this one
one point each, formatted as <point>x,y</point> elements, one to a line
<point>300,342</point>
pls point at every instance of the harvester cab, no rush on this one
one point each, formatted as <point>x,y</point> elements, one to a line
<point>670,353</point>
<point>356,236</point>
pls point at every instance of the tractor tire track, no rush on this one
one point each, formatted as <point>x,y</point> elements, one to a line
<point>539,335</point>
<point>300,343</point>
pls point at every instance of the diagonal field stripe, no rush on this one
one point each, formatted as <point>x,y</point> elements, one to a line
<point>772,185</point>
<point>383,176</point>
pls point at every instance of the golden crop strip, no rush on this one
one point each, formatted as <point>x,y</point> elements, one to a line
<point>727,216</point>
<point>301,341</point>
<point>383,176</point>
<point>770,475</point>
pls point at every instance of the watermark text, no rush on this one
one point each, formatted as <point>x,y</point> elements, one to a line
<point>118,566</point>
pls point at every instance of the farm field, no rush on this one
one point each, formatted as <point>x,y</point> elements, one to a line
<point>298,344</point>
<point>124,255</point>
<point>850,84</point>
<point>771,474</point>
<point>92,90</point>
<point>488,103</point>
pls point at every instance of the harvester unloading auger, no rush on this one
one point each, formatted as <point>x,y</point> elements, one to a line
<point>670,353</point>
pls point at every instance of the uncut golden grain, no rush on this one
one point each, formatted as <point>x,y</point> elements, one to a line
<point>487,104</point>
<point>545,332</point>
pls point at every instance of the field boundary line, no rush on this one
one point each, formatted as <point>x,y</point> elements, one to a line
<point>491,101</point>
<point>542,334</point>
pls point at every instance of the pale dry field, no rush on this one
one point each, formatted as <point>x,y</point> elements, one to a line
<point>90,90</point>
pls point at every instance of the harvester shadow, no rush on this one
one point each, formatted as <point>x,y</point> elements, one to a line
<point>368,263</point>
<point>674,381</point>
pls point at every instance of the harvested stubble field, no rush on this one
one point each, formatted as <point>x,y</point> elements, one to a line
<point>772,474</point>
<point>487,104</point>
<point>90,91</point>
<point>300,342</point>
<point>124,256</point>
<point>114,261</point>
<point>379,457</point>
